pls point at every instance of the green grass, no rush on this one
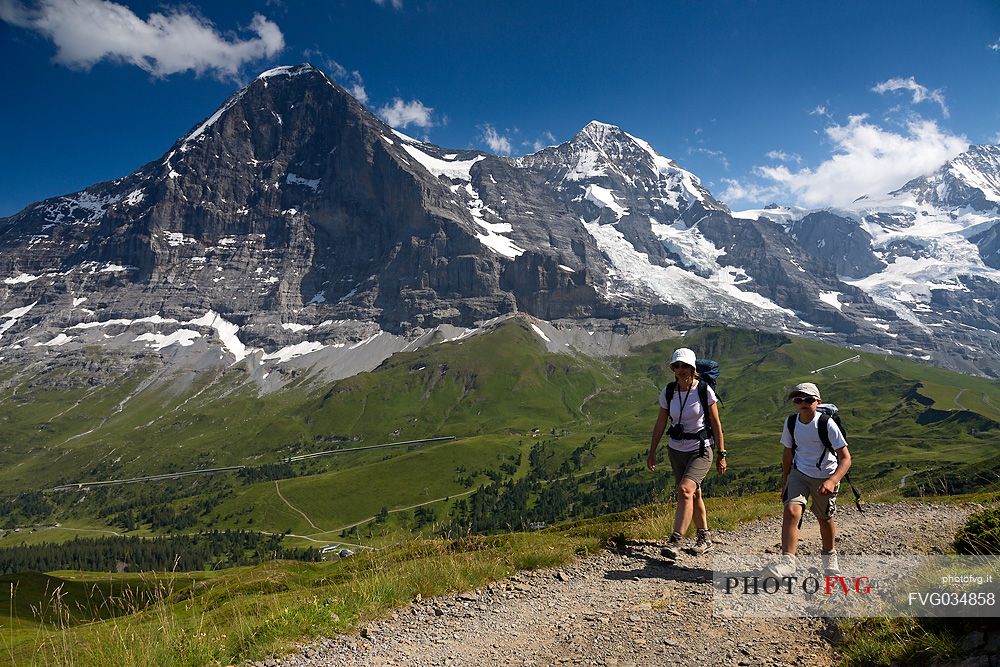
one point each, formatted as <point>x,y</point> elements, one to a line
<point>905,641</point>
<point>250,612</point>
<point>247,613</point>
<point>492,392</point>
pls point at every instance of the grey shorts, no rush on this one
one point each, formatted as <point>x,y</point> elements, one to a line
<point>802,487</point>
<point>690,465</point>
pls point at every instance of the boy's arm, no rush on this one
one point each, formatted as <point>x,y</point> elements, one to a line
<point>843,465</point>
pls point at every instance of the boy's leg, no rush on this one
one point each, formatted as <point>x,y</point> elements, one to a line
<point>785,566</point>
<point>828,531</point>
<point>790,527</point>
<point>795,495</point>
<point>825,507</point>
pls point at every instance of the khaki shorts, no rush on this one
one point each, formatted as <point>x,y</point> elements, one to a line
<point>802,487</point>
<point>690,465</point>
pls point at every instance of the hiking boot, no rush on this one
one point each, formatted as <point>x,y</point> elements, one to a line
<point>831,564</point>
<point>703,544</point>
<point>783,567</point>
<point>673,548</point>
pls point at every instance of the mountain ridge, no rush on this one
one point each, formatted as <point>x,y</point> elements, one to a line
<point>293,205</point>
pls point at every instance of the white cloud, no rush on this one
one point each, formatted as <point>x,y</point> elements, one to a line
<point>995,45</point>
<point>396,4</point>
<point>350,79</point>
<point>752,193</point>
<point>402,114</point>
<point>920,93</point>
<point>782,156</point>
<point>357,89</point>
<point>547,139</point>
<point>819,110</point>
<point>497,142</point>
<point>86,32</point>
<point>718,155</point>
<point>866,160</point>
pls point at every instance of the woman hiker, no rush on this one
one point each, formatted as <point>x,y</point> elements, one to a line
<point>692,408</point>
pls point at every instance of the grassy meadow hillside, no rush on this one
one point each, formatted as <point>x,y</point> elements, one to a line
<point>497,434</point>
<point>537,436</point>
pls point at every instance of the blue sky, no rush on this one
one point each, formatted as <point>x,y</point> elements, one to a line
<point>810,103</point>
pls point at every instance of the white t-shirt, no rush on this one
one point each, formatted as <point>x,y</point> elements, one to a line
<point>692,416</point>
<point>809,448</point>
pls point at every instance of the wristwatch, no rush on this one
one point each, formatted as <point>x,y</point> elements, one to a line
<point>723,454</point>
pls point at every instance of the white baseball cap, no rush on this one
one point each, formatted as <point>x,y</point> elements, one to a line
<point>683,355</point>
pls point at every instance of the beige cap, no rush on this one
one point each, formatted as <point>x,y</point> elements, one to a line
<point>807,388</point>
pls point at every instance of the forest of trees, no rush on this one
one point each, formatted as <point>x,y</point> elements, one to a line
<point>553,490</point>
<point>205,551</point>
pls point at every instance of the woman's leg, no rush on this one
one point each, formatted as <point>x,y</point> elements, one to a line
<point>685,505</point>
<point>700,514</point>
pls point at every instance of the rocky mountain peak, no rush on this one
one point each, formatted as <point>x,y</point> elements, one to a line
<point>606,156</point>
<point>293,209</point>
<point>600,133</point>
<point>291,71</point>
<point>979,167</point>
<point>969,180</point>
<point>267,106</point>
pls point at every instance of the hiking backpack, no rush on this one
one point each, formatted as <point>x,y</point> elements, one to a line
<point>708,372</point>
<point>827,412</point>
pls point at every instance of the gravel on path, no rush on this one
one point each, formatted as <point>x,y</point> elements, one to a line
<point>630,608</point>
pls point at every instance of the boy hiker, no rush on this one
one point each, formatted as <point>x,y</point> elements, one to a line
<point>810,469</point>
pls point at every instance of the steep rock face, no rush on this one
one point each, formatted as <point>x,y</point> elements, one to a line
<point>344,220</point>
<point>554,264</point>
<point>988,242</point>
<point>256,211</point>
<point>292,221</point>
<point>954,305</point>
<point>837,239</point>
<point>606,176</point>
<point>785,274</point>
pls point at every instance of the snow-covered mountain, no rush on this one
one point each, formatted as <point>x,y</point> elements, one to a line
<point>928,251</point>
<point>293,227</point>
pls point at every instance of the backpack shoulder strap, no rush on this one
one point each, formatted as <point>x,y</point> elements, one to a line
<point>790,425</point>
<point>824,431</point>
<point>671,387</point>
<point>703,397</point>
<point>824,435</point>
